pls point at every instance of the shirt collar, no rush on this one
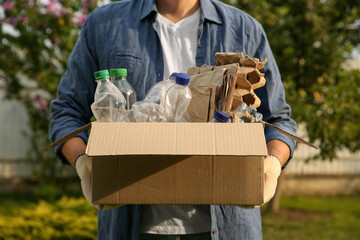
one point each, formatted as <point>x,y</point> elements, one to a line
<point>148,8</point>
<point>207,10</point>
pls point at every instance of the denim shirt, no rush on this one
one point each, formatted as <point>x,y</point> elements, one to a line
<point>122,34</point>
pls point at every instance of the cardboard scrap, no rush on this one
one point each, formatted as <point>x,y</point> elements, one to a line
<point>248,78</point>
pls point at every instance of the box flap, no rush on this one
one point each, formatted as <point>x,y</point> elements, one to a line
<point>110,139</point>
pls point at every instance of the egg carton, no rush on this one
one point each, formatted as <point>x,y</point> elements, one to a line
<point>248,77</point>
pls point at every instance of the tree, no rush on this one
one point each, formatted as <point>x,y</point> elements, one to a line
<point>37,38</point>
<point>311,41</point>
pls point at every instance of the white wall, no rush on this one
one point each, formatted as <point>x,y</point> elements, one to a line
<point>13,144</point>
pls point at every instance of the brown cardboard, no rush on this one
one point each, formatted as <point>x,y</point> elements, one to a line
<point>200,105</point>
<point>177,163</point>
<point>205,87</point>
<point>219,82</point>
<point>248,78</point>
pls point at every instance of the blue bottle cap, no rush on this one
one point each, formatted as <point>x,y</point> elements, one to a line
<point>182,79</point>
<point>173,75</point>
<point>221,117</point>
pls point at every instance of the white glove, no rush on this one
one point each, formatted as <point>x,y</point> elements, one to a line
<point>83,166</point>
<point>272,170</point>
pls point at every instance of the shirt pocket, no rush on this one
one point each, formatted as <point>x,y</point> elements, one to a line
<point>134,62</point>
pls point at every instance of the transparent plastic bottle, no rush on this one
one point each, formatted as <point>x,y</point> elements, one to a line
<point>156,94</point>
<point>177,98</point>
<point>109,103</point>
<point>219,117</point>
<point>146,111</point>
<point>118,77</point>
<point>243,113</point>
<point>151,109</point>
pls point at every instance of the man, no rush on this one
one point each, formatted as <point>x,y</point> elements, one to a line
<point>152,39</point>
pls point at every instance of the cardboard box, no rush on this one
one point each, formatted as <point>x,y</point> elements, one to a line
<point>177,163</point>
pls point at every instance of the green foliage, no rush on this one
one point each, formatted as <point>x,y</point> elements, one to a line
<point>311,41</point>
<point>36,41</point>
<point>66,218</point>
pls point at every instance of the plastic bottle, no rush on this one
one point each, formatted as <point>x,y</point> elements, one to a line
<point>243,113</point>
<point>151,109</point>
<point>118,77</point>
<point>156,94</point>
<point>177,98</point>
<point>219,117</point>
<point>109,103</point>
<point>146,111</point>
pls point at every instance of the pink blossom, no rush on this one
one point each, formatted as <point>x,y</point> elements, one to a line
<point>55,8</point>
<point>87,3</point>
<point>41,103</point>
<point>84,4</point>
<point>64,11</point>
<point>8,5</point>
<point>81,19</point>
<point>57,41</point>
<point>51,7</point>
<point>26,19</point>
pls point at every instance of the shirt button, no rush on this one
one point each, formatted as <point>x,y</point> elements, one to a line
<point>214,232</point>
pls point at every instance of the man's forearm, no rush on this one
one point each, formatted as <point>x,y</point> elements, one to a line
<point>73,148</point>
<point>279,149</point>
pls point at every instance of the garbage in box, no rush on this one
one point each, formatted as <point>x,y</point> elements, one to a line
<point>187,163</point>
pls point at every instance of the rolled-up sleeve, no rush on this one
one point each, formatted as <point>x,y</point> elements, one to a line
<point>71,108</point>
<point>273,106</point>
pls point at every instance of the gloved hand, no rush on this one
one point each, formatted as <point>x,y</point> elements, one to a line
<point>272,170</point>
<point>83,166</point>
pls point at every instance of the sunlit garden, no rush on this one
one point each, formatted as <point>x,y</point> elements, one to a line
<point>312,42</point>
<point>69,216</point>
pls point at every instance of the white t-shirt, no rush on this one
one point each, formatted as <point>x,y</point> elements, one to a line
<point>178,42</point>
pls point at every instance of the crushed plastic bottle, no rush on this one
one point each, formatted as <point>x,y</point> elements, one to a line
<point>118,77</point>
<point>156,94</point>
<point>177,98</point>
<point>219,117</point>
<point>146,111</point>
<point>151,109</point>
<point>244,114</point>
<point>109,103</point>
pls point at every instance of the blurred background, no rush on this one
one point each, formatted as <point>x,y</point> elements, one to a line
<point>316,44</point>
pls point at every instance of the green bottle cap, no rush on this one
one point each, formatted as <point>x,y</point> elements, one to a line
<point>101,74</point>
<point>118,72</point>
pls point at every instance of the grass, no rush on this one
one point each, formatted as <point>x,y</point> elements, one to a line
<point>32,216</point>
<point>312,217</point>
